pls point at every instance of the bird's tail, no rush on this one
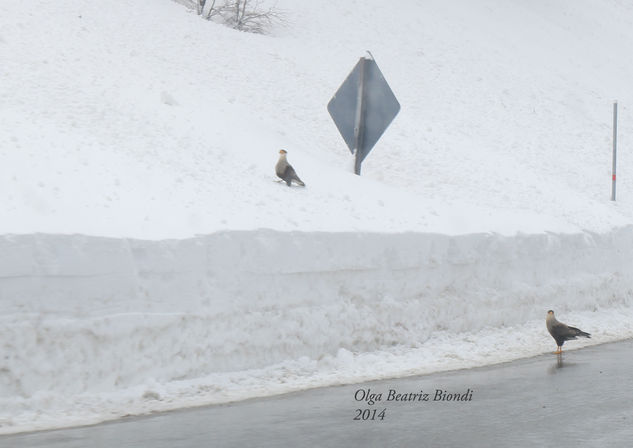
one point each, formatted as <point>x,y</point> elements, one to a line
<point>299,181</point>
<point>580,333</point>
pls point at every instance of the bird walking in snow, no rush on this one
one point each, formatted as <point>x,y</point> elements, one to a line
<point>561,332</point>
<point>285,171</point>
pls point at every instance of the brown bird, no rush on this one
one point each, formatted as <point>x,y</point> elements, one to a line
<point>285,171</point>
<point>561,332</point>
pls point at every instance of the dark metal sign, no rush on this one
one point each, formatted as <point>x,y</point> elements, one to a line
<point>362,108</point>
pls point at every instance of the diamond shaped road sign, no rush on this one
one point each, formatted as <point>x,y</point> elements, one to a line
<point>362,108</point>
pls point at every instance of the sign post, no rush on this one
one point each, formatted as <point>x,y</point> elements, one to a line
<point>615,148</point>
<point>362,108</point>
<point>359,120</point>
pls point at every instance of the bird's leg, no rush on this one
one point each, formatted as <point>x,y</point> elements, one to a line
<point>559,350</point>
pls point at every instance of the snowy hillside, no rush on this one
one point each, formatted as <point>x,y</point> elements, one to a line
<point>146,250</point>
<point>144,120</point>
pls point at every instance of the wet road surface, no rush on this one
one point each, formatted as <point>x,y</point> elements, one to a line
<point>582,399</point>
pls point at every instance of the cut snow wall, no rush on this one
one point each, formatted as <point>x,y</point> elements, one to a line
<point>86,314</point>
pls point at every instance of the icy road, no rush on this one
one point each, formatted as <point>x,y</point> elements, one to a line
<point>583,398</point>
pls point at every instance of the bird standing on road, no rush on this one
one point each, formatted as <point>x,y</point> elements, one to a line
<point>561,332</point>
<point>285,171</point>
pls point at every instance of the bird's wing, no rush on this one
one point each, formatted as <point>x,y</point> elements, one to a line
<point>289,173</point>
<point>560,329</point>
<point>578,332</point>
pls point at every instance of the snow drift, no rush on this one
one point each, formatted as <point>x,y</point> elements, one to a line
<point>97,328</point>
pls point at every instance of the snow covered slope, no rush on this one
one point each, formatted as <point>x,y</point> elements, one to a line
<point>148,260</point>
<point>142,120</point>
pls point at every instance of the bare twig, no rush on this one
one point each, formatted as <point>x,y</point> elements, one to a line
<point>244,15</point>
<point>212,11</point>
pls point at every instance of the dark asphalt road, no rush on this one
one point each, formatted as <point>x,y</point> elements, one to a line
<point>584,399</point>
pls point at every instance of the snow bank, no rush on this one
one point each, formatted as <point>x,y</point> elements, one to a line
<point>96,328</point>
